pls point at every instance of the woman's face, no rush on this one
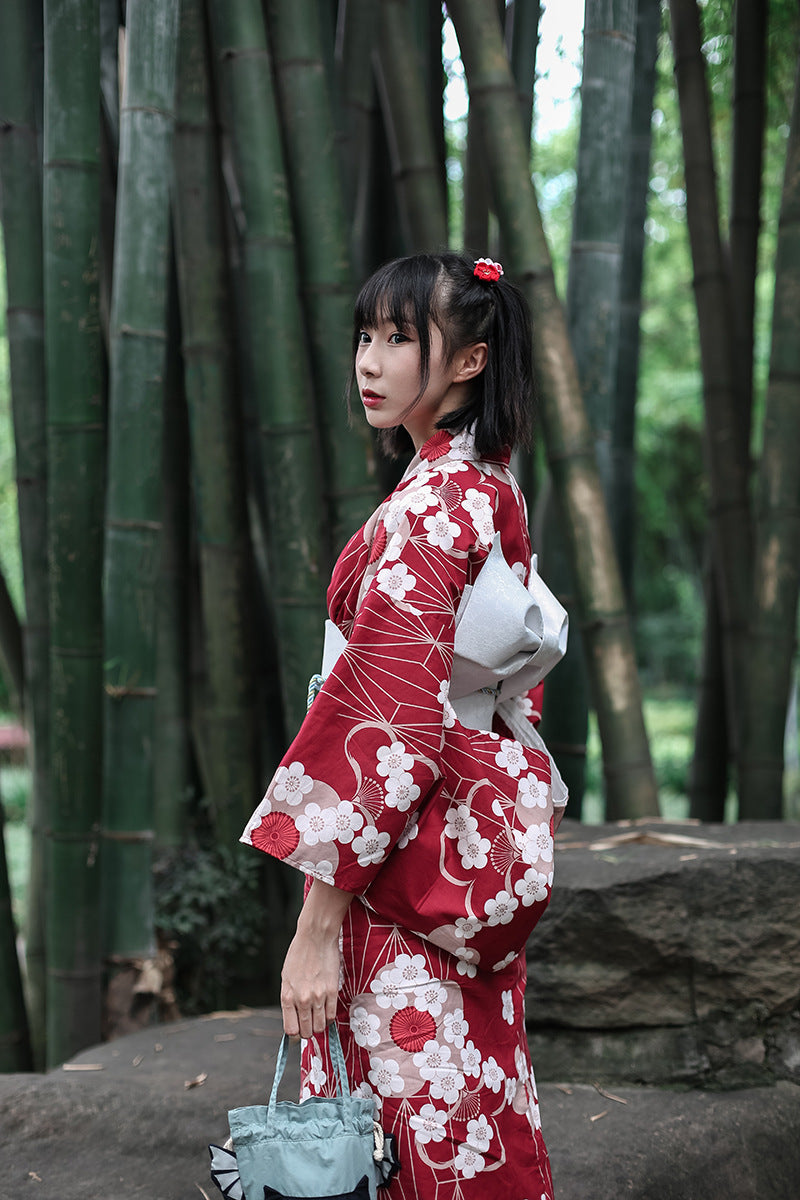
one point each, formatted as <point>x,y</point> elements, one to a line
<point>388,376</point>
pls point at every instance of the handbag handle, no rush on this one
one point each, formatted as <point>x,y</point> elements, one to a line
<point>337,1058</point>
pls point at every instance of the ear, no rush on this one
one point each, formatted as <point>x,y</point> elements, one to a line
<point>470,361</point>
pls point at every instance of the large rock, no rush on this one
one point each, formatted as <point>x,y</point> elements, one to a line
<point>670,954</point>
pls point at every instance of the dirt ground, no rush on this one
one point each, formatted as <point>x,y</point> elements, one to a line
<point>132,1118</point>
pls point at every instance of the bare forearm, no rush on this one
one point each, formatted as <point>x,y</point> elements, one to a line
<point>310,975</point>
<point>324,909</point>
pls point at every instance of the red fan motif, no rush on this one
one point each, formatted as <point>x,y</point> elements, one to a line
<point>378,544</point>
<point>451,493</point>
<point>276,835</point>
<point>411,1029</point>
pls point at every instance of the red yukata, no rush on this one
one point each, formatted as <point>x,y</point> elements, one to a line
<point>444,834</point>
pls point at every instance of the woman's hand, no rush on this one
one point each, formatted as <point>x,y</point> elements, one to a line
<point>310,975</point>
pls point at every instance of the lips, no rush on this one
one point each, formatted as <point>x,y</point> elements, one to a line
<point>370,399</point>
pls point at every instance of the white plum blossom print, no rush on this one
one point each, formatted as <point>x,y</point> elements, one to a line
<point>428,1124</point>
<point>409,833</point>
<point>388,990</point>
<point>421,499</point>
<point>468,1162</point>
<point>401,791</point>
<point>532,888</point>
<point>520,570</point>
<point>316,824</point>
<point>291,783</point>
<point>500,909</point>
<point>370,846</point>
<point>441,531</point>
<point>535,843</point>
<point>471,1060</point>
<point>508,1006</point>
<point>435,1067</point>
<point>456,1028</point>
<point>479,506</point>
<point>429,997</point>
<point>493,1074</point>
<point>479,1133</point>
<point>365,1092</point>
<point>409,971</point>
<point>347,820</point>
<point>467,927</point>
<point>509,958</point>
<point>320,870</point>
<point>462,444</point>
<point>316,1077</point>
<point>511,758</point>
<point>365,1026</point>
<point>443,697</point>
<point>465,964</point>
<point>384,1075</point>
<point>533,792</point>
<point>393,761</point>
<point>473,850</point>
<point>511,1089</point>
<point>396,581</point>
<point>459,822</point>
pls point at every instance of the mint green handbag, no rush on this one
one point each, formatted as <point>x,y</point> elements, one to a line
<point>326,1148</point>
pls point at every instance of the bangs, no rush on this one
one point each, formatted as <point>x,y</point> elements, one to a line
<point>402,293</point>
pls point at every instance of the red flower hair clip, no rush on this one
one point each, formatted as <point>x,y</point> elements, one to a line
<point>487,270</point>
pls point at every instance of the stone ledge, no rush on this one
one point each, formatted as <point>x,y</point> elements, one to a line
<point>670,953</point>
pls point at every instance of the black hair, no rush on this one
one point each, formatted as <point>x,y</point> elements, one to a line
<point>412,292</point>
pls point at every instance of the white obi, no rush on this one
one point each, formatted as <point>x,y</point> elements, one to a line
<point>508,636</point>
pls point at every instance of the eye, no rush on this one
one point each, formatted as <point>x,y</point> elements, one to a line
<point>364,338</point>
<point>397,338</point>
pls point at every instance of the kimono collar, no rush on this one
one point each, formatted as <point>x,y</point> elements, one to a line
<point>452,447</point>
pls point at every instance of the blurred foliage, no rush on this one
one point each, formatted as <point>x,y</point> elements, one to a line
<point>209,909</point>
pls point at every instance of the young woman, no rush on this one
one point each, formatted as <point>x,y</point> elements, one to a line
<point>424,826</point>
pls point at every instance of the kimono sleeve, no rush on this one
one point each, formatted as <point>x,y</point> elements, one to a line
<point>369,751</point>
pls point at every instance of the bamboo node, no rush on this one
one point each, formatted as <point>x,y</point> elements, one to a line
<point>118,691</point>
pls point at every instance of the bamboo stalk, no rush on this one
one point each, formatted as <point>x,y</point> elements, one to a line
<point>76,445</point>
<point>133,508</point>
<point>772,635</point>
<point>747,154</point>
<point>623,500</point>
<point>322,241</point>
<point>355,89</point>
<point>171,747</point>
<point>21,199</point>
<point>522,39</point>
<point>227,727</point>
<point>609,647</point>
<point>593,311</point>
<point>275,369</point>
<point>726,448</point>
<point>708,772</point>
<point>415,163</point>
<point>15,1047</point>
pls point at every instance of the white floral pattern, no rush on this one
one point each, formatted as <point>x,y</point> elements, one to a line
<point>291,784</point>
<point>385,794</point>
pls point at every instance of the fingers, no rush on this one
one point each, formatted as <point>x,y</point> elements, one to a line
<point>303,1018</point>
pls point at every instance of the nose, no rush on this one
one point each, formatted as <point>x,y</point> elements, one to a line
<point>368,362</point>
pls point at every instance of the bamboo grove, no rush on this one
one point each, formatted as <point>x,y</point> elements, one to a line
<point>191,194</point>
